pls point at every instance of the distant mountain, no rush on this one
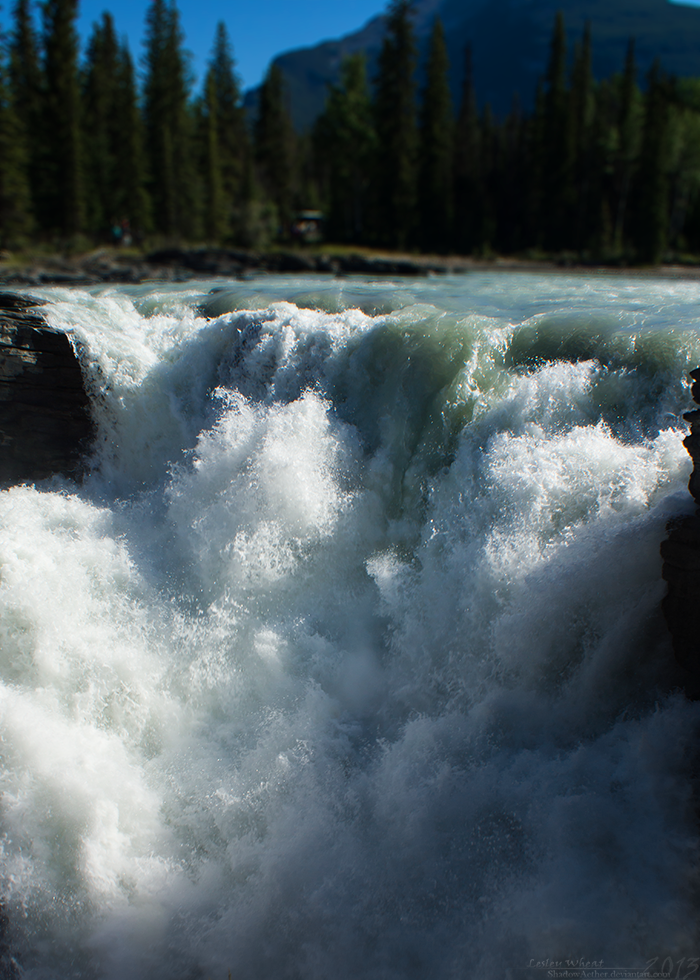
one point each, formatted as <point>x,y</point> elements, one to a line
<point>510,40</point>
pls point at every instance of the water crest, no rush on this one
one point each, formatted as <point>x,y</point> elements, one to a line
<point>347,659</point>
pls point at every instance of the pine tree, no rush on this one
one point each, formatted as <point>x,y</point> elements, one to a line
<point>512,182</point>
<point>27,89</point>
<point>556,148</point>
<point>308,185</point>
<point>435,183</point>
<point>489,165</point>
<point>650,221</point>
<point>397,135</point>
<point>581,95</point>
<point>603,150</point>
<point>61,119</point>
<point>129,153</point>
<point>535,194</point>
<point>113,152</point>
<point>99,98</point>
<point>629,130</point>
<point>168,123</point>
<point>15,202</point>
<point>215,224</point>
<point>232,132</point>
<point>580,117</point>
<point>274,147</point>
<point>466,165</point>
<point>685,177</point>
<point>345,138</point>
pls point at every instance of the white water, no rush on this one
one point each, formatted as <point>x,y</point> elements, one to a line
<point>346,659</point>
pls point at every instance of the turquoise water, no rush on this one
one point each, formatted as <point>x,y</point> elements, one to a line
<point>346,658</point>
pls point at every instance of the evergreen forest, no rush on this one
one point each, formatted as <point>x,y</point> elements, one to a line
<point>94,149</point>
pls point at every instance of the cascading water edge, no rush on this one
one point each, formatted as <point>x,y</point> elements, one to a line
<point>346,657</point>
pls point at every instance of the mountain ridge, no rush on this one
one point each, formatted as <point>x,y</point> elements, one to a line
<point>510,43</point>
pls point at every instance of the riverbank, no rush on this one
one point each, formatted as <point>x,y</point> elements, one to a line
<point>109,265</point>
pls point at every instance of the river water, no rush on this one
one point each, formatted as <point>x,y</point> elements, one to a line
<point>346,658</point>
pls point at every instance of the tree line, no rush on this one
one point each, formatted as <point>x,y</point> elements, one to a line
<point>602,169</point>
<point>86,154</point>
<point>605,170</point>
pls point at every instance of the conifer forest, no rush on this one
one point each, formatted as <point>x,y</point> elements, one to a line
<point>98,148</point>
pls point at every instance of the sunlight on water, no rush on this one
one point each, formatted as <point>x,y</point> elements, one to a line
<point>346,659</point>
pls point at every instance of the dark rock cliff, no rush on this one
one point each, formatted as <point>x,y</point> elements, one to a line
<point>681,555</point>
<point>45,423</point>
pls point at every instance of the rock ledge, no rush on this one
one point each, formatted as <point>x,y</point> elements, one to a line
<point>45,422</point>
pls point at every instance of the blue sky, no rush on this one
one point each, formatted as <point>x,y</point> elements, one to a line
<point>259,29</point>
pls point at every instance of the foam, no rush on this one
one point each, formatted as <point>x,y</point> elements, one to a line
<point>347,659</point>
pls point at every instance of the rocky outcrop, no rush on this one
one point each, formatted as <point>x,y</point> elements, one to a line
<point>45,423</point>
<point>681,606</point>
<point>692,441</point>
<point>681,555</point>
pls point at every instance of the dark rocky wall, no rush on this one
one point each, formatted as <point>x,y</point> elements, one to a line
<point>681,555</point>
<point>45,423</point>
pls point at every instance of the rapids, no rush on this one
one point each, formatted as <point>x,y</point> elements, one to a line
<point>346,658</point>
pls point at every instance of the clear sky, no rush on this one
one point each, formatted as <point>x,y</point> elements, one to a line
<point>259,29</point>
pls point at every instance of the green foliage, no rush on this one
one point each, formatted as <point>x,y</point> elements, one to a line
<point>169,124</point>
<point>467,170</point>
<point>113,152</point>
<point>15,202</point>
<point>345,141</point>
<point>224,145</point>
<point>556,198</point>
<point>254,223</point>
<point>397,134</point>
<point>581,174</point>
<point>597,170</point>
<point>62,191</point>
<point>26,91</point>
<point>651,197</point>
<point>214,213</point>
<point>232,131</point>
<point>629,129</point>
<point>129,151</point>
<point>275,146</point>
<point>436,149</point>
<point>100,126</point>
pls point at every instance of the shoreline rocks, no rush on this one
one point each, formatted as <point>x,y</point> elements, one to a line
<point>183,264</point>
<point>45,422</point>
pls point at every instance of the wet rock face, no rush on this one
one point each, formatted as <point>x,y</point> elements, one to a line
<point>681,555</point>
<point>45,423</point>
<point>692,442</point>
<point>681,606</point>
